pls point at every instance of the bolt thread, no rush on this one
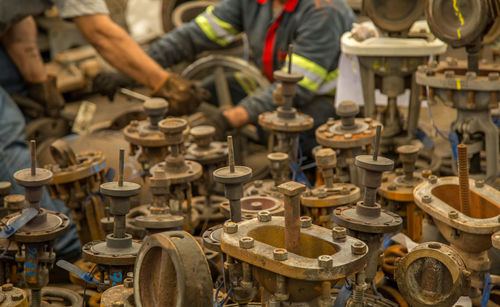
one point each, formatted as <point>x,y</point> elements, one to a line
<point>463,179</point>
<point>36,298</point>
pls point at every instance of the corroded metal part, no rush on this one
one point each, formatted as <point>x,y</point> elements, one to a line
<point>315,241</point>
<point>333,135</point>
<point>432,274</point>
<point>211,238</point>
<point>439,199</point>
<point>119,296</point>
<point>146,133</point>
<point>99,252</point>
<point>252,205</point>
<point>266,187</point>
<point>279,167</point>
<point>172,270</point>
<point>394,15</point>
<point>47,226</point>
<point>205,150</point>
<point>76,178</point>
<point>61,295</point>
<point>272,121</point>
<point>11,296</point>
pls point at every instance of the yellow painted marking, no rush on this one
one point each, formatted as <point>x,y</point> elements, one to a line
<point>460,18</point>
<point>459,84</point>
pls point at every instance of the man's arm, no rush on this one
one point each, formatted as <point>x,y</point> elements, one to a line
<point>20,42</point>
<point>118,48</point>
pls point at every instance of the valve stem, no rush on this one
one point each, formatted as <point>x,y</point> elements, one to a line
<point>33,157</point>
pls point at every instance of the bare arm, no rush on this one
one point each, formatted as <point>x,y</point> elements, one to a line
<point>20,41</point>
<point>118,48</point>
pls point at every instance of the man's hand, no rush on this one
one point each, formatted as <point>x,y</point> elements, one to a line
<point>108,83</point>
<point>237,116</point>
<point>183,96</point>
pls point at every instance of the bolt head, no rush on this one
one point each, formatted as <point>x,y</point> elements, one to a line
<point>426,173</point>
<point>264,216</point>
<point>359,248</point>
<point>7,287</point>
<point>330,121</point>
<point>449,74</point>
<point>118,304</point>
<point>326,158</point>
<point>392,187</point>
<point>280,254</point>
<point>246,242</point>
<point>258,183</point>
<point>339,234</point>
<point>325,261</point>
<point>348,136</point>
<point>479,183</point>
<point>471,75</point>
<point>230,227</point>
<point>493,76</point>
<point>427,199</point>
<point>305,221</point>
<point>451,61</point>
<point>128,282</point>
<point>17,297</point>
<point>322,193</point>
<point>453,214</point>
<point>291,188</point>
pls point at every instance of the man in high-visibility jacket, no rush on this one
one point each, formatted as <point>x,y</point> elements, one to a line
<point>314,27</point>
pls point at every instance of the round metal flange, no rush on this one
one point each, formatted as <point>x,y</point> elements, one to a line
<point>52,226</point>
<point>13,297</point>
<point>159,221</point>
<point>98,252</point>
<point>87,164</point>
<point>192,171</point>
<point>113,189</point>
<point>118,294</point>
<point>457,23</point>
<point>172,270</point>
<point>216,152</point>
<point>251,205</point>
<point>332,135</point>
<point>394,15</point>
<point>395,188</point>
<point>262,188</point>
<point>432,274</point>
<point>24,178</point>
<point>140,133</point>
<point>348,217</point>
<point>382,164</point>
<point>271,121</point>
<point>340,194</point>
<point>211,238</point>
<point>224,175</point>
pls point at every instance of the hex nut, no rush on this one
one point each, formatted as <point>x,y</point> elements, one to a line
<point>358,248</point>
<point>128,282</point>
<point>322,193</point>
<point>479,183</point>
<point>305,221</point>
<point>118,304</point>
<point>230,227</point>
<point>392,187</point>
<point>258,183</point>
<point>348,136</point>
<point>433,179</point>
<point>427,199</point>
<point>7,287</point>
<point>17,297</point>
<point>264,216</point>
<point>339,234</point>
<point>426,173</point>
<point>493,76</point>
<point>246,242</point>
<point>325,261</point>
<point>280,254</point>
<point>453,214</point>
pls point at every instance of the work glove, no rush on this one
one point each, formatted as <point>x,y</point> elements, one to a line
<point>108,83</point>
<point>183,96</point>
<point>220,123</point>
<point>47,95</point>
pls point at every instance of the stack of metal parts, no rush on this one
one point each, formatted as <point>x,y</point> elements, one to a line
<point>286,122</point>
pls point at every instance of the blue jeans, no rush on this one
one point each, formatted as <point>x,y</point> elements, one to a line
<point>14,155</point>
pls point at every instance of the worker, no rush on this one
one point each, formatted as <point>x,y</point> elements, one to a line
<point>22,71</point>
<point>314,27</point>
